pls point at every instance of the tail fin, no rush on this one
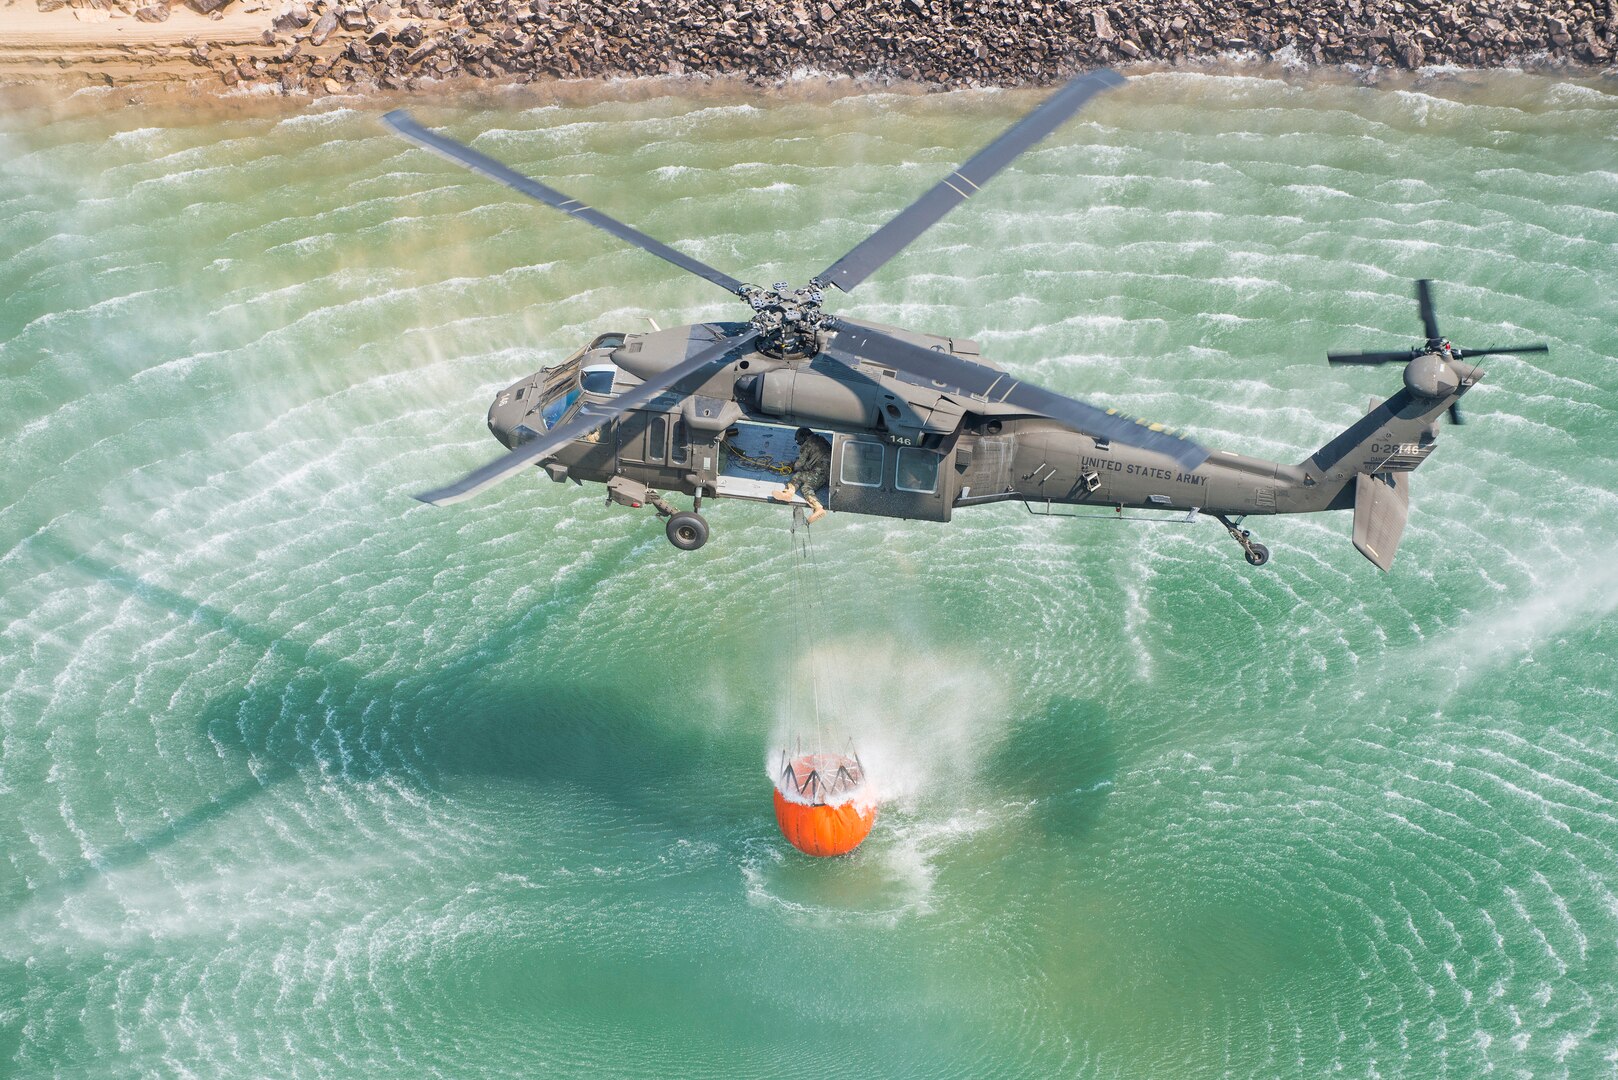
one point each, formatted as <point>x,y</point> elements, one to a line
<point>1381,505</point>
<point>1368,467</point>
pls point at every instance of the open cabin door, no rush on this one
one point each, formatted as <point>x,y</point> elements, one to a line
<point>867,476</point>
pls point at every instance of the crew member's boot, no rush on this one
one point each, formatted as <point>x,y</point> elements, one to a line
<point>785,494</point>
<point>817,511</point>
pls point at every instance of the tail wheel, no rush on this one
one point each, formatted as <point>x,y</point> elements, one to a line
<point>687,530</point>
<point>1258,554</point>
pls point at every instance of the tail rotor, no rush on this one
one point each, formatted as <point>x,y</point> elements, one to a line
<point>1436,345</point>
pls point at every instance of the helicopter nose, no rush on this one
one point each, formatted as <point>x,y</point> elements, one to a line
<point>507,412</point>
<point>497,427</point>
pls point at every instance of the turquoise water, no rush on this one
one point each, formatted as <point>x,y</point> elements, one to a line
<point>299,777</point>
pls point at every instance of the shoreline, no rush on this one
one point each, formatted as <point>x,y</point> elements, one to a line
<point>328,47</point>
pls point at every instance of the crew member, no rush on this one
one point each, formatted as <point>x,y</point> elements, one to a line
<point>810,473</point>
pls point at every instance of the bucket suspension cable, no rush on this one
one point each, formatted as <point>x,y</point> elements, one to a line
<point>799,767</point>
<point>807,630</point>
<point>832,692</point>
<point>796,699</point>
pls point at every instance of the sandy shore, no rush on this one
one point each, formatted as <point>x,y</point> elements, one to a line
<point>110,47</point>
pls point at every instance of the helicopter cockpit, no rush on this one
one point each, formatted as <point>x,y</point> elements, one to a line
<point>526,409</point>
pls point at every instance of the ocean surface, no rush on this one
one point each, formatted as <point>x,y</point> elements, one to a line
<point>302,778</point>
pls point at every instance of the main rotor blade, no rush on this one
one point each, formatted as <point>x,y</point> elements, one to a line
<point>913,220</point>
<point>401,122</point>
<point>1424,300</point>
<point>588,419</point>
<point>1402,356</point>
<point>997,386</point>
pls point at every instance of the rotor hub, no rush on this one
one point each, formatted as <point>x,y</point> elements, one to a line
<point>788,320</point>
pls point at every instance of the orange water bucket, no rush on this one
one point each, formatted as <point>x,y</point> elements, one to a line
<point>826,807</point>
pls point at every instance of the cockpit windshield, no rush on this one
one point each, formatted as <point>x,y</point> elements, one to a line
<point>557,407</point>
<point>560,390</point>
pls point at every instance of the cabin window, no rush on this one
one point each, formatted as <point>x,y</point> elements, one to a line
<point>917,470</point>
<point>598,380</point>
<point>681,449</point>
<point>657,437</point>
<point>862,464</point>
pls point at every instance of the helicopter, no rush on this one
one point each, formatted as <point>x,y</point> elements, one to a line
<point>919,424</point>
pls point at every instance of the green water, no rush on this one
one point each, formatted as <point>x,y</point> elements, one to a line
<point>299,777</point>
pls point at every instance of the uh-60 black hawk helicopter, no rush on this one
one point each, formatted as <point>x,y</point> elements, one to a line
<point>919,425</point>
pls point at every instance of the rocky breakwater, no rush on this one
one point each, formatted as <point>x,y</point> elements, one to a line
<point>332,45</point>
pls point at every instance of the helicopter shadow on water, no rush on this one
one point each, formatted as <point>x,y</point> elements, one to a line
<point>1061,762</point>
<point>357,727</point>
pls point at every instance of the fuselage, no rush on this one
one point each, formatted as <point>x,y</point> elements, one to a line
<point>900,447</point>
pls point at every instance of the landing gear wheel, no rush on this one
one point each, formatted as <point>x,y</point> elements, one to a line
<point>1255,552</point>
<point>687,530</point>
